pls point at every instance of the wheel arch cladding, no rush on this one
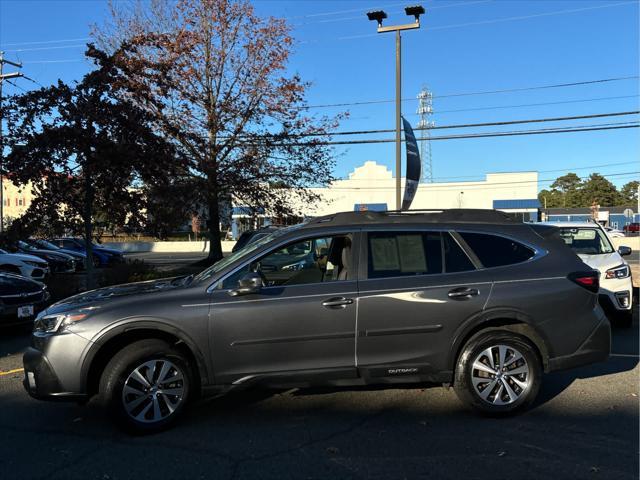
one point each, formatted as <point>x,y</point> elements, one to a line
<point>102,352</point>
<point>500,323</point>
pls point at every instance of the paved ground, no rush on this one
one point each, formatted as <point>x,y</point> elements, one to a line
<point>585,425</point>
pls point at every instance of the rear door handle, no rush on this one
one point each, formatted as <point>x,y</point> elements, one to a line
<point>337,302</point>
<point>463,293</point>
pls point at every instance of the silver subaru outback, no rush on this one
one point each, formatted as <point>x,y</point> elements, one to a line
<point>470,298</point>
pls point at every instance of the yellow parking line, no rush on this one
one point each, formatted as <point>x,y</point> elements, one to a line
<point>9,372</point>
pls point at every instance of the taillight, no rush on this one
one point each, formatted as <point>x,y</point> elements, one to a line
<point>589,280</point>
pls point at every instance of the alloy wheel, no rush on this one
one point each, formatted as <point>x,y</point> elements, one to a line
<point>500,375</point>
<point>153,391</point>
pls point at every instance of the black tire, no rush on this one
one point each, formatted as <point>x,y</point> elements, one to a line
<point>623,319</point>
<point>121,369</point>
<point>504,404</point>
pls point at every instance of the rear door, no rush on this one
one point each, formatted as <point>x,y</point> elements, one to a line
<point>417,288</point>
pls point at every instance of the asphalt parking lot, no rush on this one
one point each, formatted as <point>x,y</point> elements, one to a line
<point>584,425</point>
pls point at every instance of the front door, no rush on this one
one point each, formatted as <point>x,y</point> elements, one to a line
<point>303,319</point>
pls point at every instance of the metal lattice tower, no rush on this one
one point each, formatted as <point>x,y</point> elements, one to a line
<point>425,110</point>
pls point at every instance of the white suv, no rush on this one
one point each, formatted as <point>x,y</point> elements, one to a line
<point>593,246</point>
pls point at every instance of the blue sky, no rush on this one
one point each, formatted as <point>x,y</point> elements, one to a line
<point>463,46</point>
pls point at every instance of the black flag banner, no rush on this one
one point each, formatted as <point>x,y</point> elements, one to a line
<point>412,178</point>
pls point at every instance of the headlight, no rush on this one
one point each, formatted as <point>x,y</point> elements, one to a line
<point>53,323</point>
<point>622,271</point>
<point>35,264</point>
<point>295,266</point>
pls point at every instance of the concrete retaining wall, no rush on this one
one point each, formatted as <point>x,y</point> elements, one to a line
<point>166,247</point>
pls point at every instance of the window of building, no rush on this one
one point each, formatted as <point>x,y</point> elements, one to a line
<point>397,254</point>
<point>496,251</point>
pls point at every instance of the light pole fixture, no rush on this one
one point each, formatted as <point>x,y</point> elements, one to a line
<point>378,16</point>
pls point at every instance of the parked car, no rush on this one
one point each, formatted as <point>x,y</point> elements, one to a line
<point>470,298</point>
<point>28,266</point>
<point>79,257</point>
<point>594,247</point>
<point>614,232</point>
<point>58,262</point>
<point>632,228</point>
<point>20,299</point>
<point>251,236</point>
<point>101,256</point>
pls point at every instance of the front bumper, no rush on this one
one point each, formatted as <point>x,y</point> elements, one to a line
<point>9,314</point>
<point>596,348</point>
<point>52,367</point>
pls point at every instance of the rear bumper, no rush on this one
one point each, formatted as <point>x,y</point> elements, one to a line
<point>595,348</point>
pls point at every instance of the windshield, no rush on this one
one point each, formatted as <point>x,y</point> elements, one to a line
<point>47,245</point>
<point>586,240</point>
<point>238,254</point>
<point>25,245</point>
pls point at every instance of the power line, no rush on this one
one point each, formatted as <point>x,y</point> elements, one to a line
<point>578,128</point>
<point>485,92</point>
<point>468,125</point>
<point>45,42</point>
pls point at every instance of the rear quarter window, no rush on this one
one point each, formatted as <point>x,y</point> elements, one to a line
<point>496,251</point>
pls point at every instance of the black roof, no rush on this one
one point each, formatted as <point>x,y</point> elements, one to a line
<point>454,215</point>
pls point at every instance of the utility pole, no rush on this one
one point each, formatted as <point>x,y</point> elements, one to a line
<point>3,77</point>
<point>378,16</point>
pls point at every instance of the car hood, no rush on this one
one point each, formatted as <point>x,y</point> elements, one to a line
<point>50,253</point>
<point>100,295</point>
<point>73,253</point>
<point>26,258</point>
<point>111,251</point>
<point>603,261</point>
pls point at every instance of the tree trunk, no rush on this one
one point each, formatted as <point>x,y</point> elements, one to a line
<point>88,227</point>
<point>215,245</point>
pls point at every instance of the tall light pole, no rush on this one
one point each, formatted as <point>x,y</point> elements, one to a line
<point>379,16</point>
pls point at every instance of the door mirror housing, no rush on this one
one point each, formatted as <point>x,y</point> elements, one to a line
<point>624,251</point>
<point>250,283</point>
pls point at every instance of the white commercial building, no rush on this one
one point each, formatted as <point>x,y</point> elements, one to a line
<point>372,187</point>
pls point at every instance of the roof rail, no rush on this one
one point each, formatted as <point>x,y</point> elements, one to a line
<point>453,215</point>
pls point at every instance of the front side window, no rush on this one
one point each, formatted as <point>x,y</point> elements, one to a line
<point>586,241</point>
<point>496,251</point>
<point>398,254</point>
<point>313,260</point>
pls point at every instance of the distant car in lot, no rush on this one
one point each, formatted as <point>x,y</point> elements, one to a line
<point>58,262</point>
<point>102,256</point>
<point>79,257</point>
<point>251,236</point>
<point>593,246</point>
<point>471,298</point>
<point>614,232</point>
<point>28,266</point>
<point>632,228</point>
<point>20,299</point>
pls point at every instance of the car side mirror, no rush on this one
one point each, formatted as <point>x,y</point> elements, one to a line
<point>624,251</point>
<point>248,284</point>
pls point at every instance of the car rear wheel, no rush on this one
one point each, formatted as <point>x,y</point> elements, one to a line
<point>146,386</point>
<point>498,373</point>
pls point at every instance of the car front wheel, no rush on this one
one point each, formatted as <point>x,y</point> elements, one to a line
<point>146,386</point>
<point>498,373</point>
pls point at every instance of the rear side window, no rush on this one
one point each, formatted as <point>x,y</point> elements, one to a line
<point>397,254</point>
<point>495,251</point>
<point>455,260</point>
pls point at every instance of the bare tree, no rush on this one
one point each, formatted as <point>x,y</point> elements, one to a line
<point>213,75</point>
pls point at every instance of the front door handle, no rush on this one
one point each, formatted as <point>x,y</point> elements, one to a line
<point>463,293</point>
<point>337,302</point>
